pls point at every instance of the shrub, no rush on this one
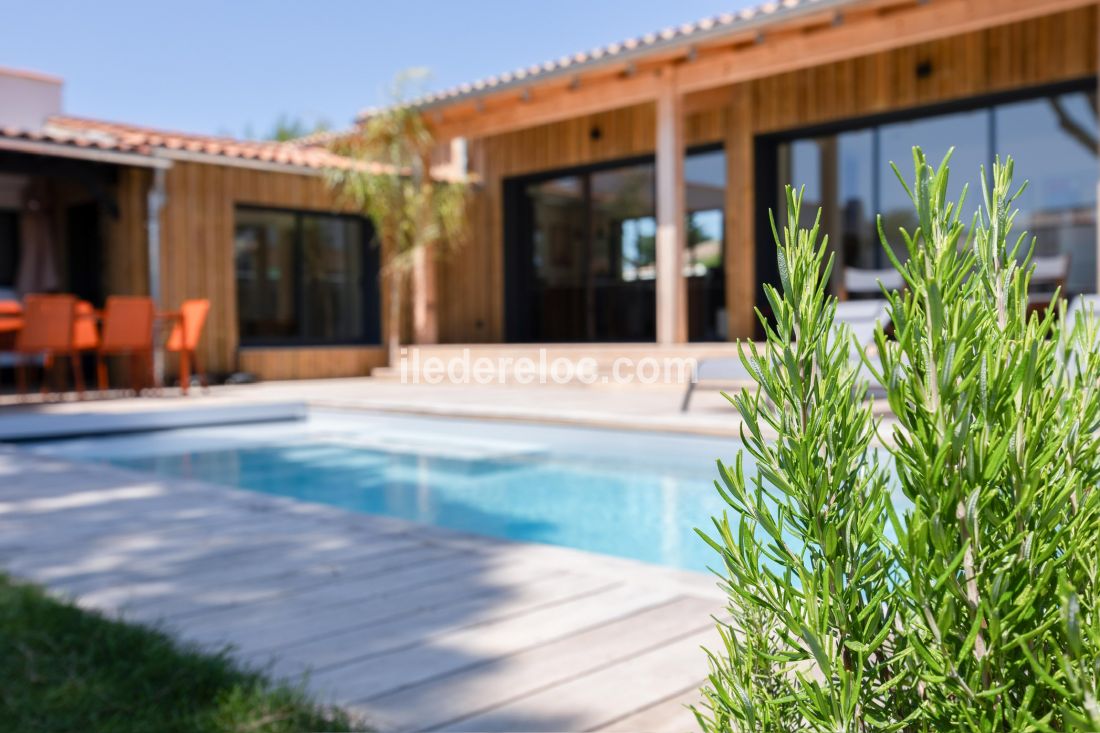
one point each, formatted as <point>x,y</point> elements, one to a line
<point>951,583</point>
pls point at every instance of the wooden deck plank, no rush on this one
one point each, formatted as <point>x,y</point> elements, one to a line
<point>599,698</point>
<point>177,598</point>
<point>444,700</point>
<point>149,557</point>
<point>361,679</point>
<point>464,627</point>
<point>467,599</point>
<point>667,716</point>
<point>414,630</point>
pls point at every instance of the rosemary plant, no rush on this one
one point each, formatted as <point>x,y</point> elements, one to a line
<point>951,586</point>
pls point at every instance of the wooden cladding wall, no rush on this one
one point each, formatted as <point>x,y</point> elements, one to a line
<point>315,362</point>
<point>126,257</point>
<point>471,283</point>
<point>197,231</point>
<point>1044,50</point>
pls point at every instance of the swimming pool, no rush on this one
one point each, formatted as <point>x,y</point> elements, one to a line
<point>635,495</point>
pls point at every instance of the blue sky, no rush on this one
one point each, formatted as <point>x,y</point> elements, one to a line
<point>229,66</point>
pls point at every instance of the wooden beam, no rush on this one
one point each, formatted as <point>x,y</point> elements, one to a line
<point>561,104</point>
<point>671,212</point>
<point>867,28</point>
<point>903,26</point>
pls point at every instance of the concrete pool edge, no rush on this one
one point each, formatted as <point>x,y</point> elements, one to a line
<point>600,421</point>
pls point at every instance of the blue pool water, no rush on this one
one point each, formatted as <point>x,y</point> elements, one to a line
<point>630,494</point>
<point>645,514</point>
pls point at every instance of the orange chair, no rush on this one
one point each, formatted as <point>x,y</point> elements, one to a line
<point>185,340</point>
<point>127,331</point>
<point>48,330</point>
<point>85,332</point>
<point>11,322</point>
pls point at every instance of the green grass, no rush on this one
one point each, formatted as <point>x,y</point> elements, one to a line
<point>64,669</point>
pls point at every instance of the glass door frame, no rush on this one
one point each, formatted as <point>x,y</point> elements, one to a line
<point>518,225</point>
<point>766,154</point>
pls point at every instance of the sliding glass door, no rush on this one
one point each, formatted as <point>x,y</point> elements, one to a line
<point>1053,138</point>
<point>580,253</point>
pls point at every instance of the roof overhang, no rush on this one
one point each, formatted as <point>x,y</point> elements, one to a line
<point>76,152</point>
<point>166,156</point>
<point>668,42</point>
<point>703,65</point>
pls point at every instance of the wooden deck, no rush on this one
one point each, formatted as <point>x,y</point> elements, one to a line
<point>416,628</point>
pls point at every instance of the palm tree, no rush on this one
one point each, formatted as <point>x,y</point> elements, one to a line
<point>415,215</point>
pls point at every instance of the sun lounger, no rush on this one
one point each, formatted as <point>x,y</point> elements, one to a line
<point>861,317</point>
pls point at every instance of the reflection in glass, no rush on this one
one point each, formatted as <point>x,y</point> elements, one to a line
<point>853,229</point>
<point>559,213</point>
<point>1053,141</point>
<point>332,271</point>
<point>967,131</point>
<point>800,166</point>
<point>300,277</point>
<point>704,260</point>
<point>266,295</point>
<point>593,247</point>
<point>622,254</point>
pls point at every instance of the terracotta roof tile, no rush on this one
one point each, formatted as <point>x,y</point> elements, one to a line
<point>766,13</point>
<point>135,138</point>
<point>64,138</point>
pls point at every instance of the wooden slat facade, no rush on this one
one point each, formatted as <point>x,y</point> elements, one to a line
<point>197,259</point>
<point>197,224</point>
<point>1038,51</point>
<point>314,362</point>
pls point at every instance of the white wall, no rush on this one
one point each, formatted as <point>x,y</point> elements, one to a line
<point>27,98</point>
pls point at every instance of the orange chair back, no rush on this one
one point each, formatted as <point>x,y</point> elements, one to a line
<point>127,324</point>
<point>85,333</point>
<point>47,324</point>
<point>11,323</point>
<point>185,334</point>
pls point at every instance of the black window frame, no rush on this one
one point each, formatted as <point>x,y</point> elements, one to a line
<point>766,153</point>
<point>369,280</point>
<point>518,276</point>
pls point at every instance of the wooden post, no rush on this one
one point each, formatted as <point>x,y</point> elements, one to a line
<point>671,231</point>
<point>741,283</point>
<point>425,322</point>
<point>425,326</point>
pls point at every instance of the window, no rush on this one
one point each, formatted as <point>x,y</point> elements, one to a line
<point>583,249</point>
<point>592,240</point>
<point>305,278</point>
<point>704,263</point>
<point>1053,139</point>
